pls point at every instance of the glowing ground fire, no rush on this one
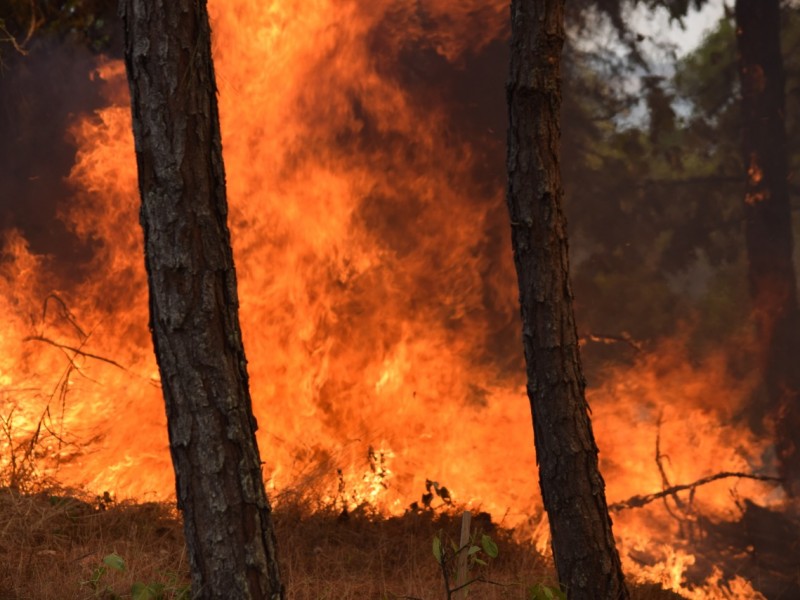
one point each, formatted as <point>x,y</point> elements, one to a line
<point>379,304</point>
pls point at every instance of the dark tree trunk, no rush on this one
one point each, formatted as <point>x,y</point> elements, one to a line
<point>768,223</point>
<point>193,301</point>
<point>573,490</point>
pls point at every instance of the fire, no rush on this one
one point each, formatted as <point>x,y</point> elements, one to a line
<point>378,299</point>
<point>755,176</point>
<point>669,412</point>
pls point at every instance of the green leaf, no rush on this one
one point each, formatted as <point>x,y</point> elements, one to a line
<point>489,546</point>
<point>544,592</point>
<point>141,591</point>
<point>115,561</point>
<point>480,561</point>
<point>472,550</point>
<point>437,549</point>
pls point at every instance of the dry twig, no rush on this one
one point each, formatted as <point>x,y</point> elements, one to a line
<point>607,338</point>
<point>19,46</point>
<point>641,500</point>
<point>77,351</point>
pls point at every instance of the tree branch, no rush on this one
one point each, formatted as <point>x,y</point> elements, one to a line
<point>65,314</point>
<point>78,351</point>
<point>639,501</point>
<point>606,338</point>
<point>32,27</point>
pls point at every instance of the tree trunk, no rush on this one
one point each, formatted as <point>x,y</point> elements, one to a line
<point>194,303</point>
<point>768,223</point>
<point>573,490</point>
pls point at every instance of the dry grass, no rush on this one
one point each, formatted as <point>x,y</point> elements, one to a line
<point>367,556</point>
<point>51,545</point>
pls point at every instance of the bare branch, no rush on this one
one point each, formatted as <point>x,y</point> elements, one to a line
<point>65,314</point>
<point>639,501</point>
<point>608,338</point>
<point>665,482</point>
<point>78,351</point>
<point>19,46</point>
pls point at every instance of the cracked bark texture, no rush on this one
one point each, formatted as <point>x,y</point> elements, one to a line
<point>193,301</point>
<point>573,491</point>
<point>768,225</point>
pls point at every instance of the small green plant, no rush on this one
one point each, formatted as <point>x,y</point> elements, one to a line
<point>463,561</point>
<point>476,555</point>
<point>541,591</point>
<point>172,589</point>
<point>96,580</point>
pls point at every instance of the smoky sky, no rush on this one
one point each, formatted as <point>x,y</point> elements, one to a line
<point>41,95</point>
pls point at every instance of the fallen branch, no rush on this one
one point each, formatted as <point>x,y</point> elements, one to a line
<point>639,501</point>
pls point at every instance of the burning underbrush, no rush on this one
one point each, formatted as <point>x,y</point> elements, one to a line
<point>66,544</point>
<point>695,511</point>
<point>364,153</point>
<point>338,540</point>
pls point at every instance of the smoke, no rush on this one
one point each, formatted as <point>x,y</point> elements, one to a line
<point>43,94</point>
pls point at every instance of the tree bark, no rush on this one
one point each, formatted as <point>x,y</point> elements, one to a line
<point>193,301</point>
<point>573,491</point>
<point>768,223</point>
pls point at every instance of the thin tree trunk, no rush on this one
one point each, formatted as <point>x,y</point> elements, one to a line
<point>194,303</point>
<point>768,223</point>
<point>573,490</point>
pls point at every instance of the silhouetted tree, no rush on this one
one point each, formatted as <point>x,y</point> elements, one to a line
<point>768,221</point>
<point>194,303</point>
<point>573,490</point>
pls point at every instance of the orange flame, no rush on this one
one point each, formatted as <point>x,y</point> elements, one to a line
<point>374,301</point>
<point>755,175</point>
